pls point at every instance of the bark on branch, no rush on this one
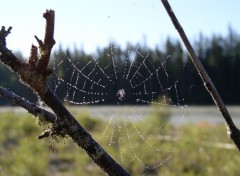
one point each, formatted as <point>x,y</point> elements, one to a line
<point>34,74</point>
<point>232,130</point>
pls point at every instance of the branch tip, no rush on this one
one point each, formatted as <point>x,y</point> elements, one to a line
<point>33,55</point>
<point>33,48</point>
<point>39,41</point>
<point>9,29</point>
<point>49,13</point>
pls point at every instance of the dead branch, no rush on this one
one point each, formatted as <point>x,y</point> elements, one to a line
<point>34,74</point>
<point>232,130</point>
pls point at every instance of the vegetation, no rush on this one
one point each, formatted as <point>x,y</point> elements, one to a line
<point>195,151</point>
<point>220,56</point>
<point>134,154</point>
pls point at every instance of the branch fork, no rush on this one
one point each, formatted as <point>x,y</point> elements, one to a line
<point>40,63</point>
<point>3,34</point>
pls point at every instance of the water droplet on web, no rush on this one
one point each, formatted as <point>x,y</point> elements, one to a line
<point>141,79</point>
<point>40,103</point>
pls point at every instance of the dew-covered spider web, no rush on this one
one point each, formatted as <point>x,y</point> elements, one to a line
<point>133,95</point>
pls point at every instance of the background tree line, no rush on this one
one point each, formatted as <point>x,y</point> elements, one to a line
<point>220,56</point>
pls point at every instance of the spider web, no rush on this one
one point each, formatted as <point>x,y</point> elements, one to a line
<point>139,86</point>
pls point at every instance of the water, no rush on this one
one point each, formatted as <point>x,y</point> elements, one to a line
<point>189,115</point>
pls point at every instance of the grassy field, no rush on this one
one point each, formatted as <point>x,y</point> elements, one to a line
<point>151,147</point>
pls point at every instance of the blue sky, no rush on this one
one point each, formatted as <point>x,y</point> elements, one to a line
<point>90,23</point>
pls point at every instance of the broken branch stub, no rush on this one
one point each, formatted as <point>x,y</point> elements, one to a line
<point>46,46</point>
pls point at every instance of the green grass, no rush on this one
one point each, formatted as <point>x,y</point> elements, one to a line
<point>194,150</point>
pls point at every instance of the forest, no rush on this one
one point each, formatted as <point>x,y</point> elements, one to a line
<point>220,56</point>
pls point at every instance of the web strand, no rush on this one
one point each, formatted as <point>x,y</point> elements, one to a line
<point>139,79</point>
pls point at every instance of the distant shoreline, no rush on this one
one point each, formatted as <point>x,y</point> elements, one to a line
<point>186,115</point>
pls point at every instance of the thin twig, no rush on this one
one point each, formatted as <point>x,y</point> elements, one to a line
<point>233,131</point>
<point>30,107</point>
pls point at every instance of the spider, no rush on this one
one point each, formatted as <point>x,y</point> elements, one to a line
<point>121,94</point>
